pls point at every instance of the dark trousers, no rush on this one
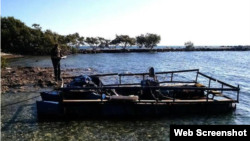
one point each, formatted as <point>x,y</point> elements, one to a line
<point>57,69</point>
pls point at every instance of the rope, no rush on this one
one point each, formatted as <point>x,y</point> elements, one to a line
<point>19,102</point>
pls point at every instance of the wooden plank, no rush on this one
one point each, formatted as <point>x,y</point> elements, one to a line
<point>218,94</point>
<point>82,91</point>
<point>85,100</point>
<point>148,101</point>
<point>178,84</point>
<point>228,100</point>
<point>169,100</point>
<point>193,100</point>
<point>225,99</point>
<point>199,85</point>
<point>215,93</point>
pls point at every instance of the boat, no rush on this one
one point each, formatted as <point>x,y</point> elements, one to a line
<point>153,93</point>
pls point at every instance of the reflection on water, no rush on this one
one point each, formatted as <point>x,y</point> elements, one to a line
<point>19,121</point>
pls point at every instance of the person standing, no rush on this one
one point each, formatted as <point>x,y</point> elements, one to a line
<point>56,57</point>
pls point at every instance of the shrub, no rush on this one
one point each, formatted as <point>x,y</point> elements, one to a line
<point>4,63</point>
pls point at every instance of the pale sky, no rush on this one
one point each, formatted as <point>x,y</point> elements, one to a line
<point>204,22</point>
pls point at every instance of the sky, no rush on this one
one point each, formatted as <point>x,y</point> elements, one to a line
<point>203,22</point>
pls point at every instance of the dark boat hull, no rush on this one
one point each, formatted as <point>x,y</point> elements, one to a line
<point>116,109</point>
<point>50,96</point>
<point>55,95</point>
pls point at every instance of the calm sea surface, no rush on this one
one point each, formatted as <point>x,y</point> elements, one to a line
<point>19,120</point>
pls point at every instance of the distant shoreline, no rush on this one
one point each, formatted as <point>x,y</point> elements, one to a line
<point>10,55</point>
<point>89,51</point>
<point>140,50</point>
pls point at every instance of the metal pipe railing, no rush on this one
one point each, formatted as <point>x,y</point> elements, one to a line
<point>105,74</point>
<point>172,73</point>
<point>174,88</point>
<point>197,76</point>
<point>238,94</point>
<point>132,74</point>
<point>211,78</point>
<point>177,71</point>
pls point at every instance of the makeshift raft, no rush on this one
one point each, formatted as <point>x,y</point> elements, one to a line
<point>88,96</point>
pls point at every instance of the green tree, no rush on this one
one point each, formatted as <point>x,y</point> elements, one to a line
<point>74,40</point>
<point>124,41</point>
<point>148,41</point>
<point>140,41</point>
<point>93,42</point>
<point>71,39</point>
<point>21,39</point>
<point>37,26</point>
<point>15,35</point>
<point>80,41</point>
<point>103,43</point>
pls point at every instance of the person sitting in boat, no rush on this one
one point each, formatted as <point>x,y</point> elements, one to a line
<point>152,93</point>
<point>152,73</point>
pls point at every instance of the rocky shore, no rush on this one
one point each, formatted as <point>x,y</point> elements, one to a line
<point>26,79</point>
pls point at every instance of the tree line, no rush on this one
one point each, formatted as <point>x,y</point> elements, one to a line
<point>20,38</point>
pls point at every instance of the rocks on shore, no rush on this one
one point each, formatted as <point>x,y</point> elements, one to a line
<point>22,79</point>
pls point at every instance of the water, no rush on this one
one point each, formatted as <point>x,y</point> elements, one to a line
<point>134,47</point>
<point>19,120</point>
<point>156,47</point>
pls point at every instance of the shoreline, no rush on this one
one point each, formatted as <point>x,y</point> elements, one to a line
<point>10,55</point>
<point>137,50</point>
<point>90,51</point>
<point>30,79</point>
